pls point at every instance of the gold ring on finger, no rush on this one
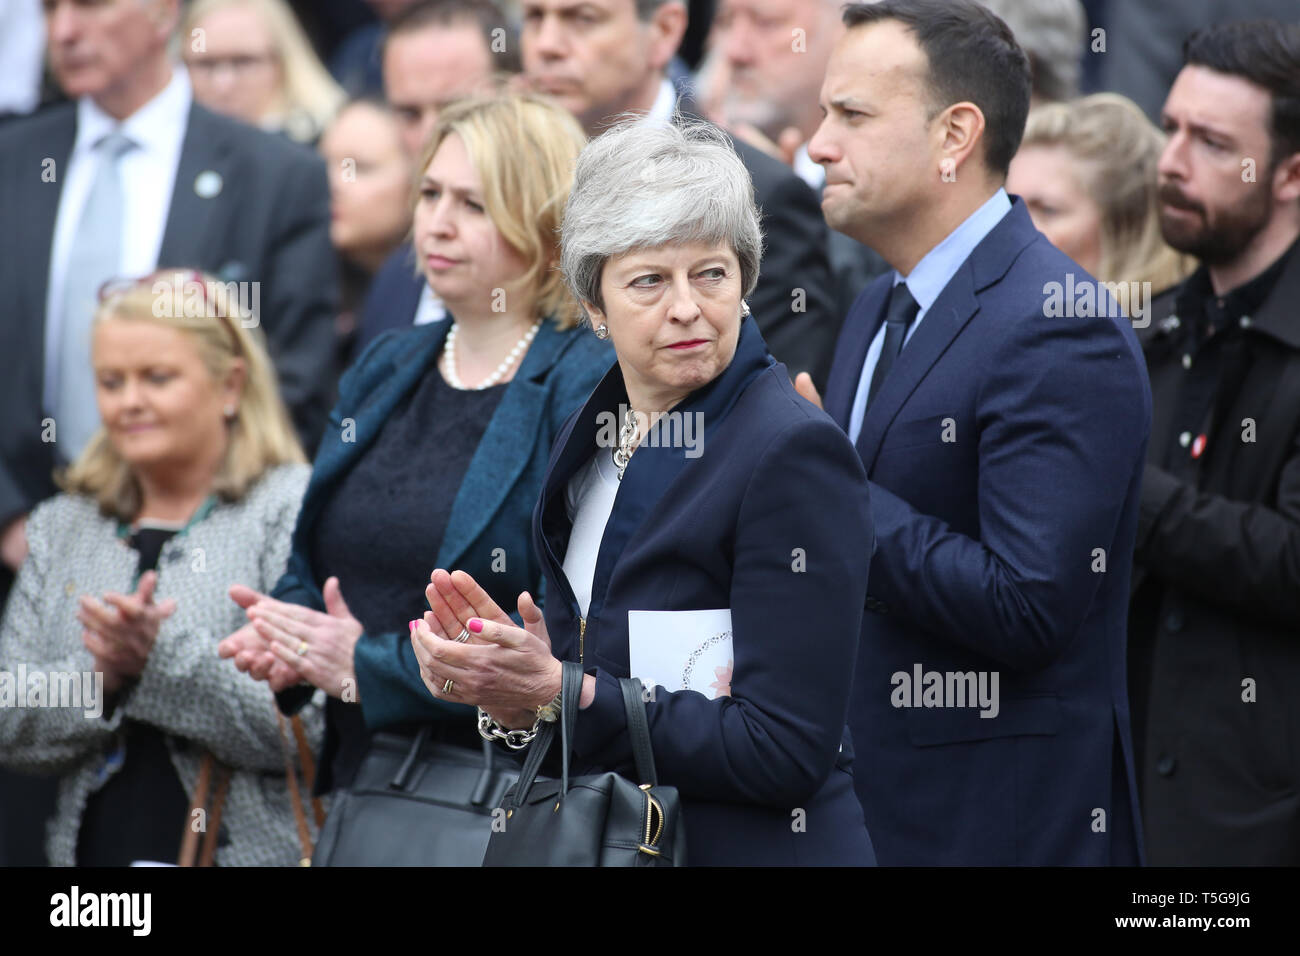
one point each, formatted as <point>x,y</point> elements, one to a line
<point>302,648</point>
<point>446,688</point>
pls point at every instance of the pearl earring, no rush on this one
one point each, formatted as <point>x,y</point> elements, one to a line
<point>602,331</point>
<point>229,411</point>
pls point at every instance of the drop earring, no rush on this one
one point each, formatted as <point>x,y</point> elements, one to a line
<point>744,309</point>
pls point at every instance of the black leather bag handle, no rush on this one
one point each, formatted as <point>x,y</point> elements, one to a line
<point>570,690</point>
<point>638,729</point>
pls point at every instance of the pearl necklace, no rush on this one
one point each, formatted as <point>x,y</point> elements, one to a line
<point>449,349</point>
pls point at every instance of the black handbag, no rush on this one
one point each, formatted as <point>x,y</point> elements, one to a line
<point>597,820</point>
<point>416,803</point>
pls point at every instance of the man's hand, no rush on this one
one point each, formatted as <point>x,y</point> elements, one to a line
<point>803,384</point>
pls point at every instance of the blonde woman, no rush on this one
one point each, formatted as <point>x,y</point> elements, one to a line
<point>191,484</point>
<point>1087,172</point>
<point>439,439</point>
<point>251,60</point>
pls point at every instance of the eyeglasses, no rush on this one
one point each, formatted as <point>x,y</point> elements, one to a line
<point>181,284</point>
<point>240,65</point>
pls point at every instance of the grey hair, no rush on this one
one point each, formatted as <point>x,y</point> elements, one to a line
<point>643,184</point>
<point>1053,34</point>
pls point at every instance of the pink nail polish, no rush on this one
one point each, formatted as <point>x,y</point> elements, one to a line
<point>475,625</point>
<point>414,624</point>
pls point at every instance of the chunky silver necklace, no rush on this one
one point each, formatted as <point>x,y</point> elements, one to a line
<point>450,350</point>
<point>626,442</point>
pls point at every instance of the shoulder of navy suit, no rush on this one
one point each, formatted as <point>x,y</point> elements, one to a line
<point>207,129</point>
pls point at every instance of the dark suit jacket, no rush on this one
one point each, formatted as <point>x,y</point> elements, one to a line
<point>492,508</point>
<point>1005,457</point>
<point>392,299</point>
<point>775,481</point>
<point>268,224</point>
<point>794,301</point>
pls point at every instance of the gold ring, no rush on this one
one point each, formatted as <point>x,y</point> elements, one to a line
<point>446,688</point>
<point>302,648</point>
<point>463,636</point>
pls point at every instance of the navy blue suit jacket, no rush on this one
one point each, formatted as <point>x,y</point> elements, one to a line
<point>392,298</point>
<point>492,509</point>
<point>1005,456</point>
<point>768,521</point>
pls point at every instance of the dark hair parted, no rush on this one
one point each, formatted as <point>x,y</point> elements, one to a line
<point>1265,52</point>
<point>484,14</point>
<point>973,57</point>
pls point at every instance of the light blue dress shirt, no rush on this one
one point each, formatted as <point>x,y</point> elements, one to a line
<point>925,282</point>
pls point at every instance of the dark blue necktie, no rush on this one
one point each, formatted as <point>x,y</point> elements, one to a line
<point>899,314</point>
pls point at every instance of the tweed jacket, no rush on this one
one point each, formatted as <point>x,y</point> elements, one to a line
<point>201,701</point>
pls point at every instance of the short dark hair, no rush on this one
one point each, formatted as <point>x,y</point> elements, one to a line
<point>1265,52</point>
<point>973,56</point>
<point>484,14</point>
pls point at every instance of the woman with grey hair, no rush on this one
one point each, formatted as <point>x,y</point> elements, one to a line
<point>700,527</point>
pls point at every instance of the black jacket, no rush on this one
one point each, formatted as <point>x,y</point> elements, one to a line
<point>1215,619</point>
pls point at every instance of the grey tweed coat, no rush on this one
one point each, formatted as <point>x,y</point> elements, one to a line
<point>185,689</point>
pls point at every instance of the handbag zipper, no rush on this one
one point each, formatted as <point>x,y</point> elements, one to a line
<point>652,809</point>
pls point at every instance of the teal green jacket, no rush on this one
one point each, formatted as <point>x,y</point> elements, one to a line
<point>493,507</point>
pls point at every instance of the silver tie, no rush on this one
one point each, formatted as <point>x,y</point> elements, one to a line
<point>93,259</point>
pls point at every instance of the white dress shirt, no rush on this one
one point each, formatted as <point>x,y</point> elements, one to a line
<point>589,500</point>
<point>664,104</point>
<point>814,174</point>
<point>148,175</point>
<point>931,275</point>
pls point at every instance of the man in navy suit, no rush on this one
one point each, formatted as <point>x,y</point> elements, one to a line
<point>1000,405</point>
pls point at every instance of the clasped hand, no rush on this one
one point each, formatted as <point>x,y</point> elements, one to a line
<point>509,671</point>
<point>120,631</point>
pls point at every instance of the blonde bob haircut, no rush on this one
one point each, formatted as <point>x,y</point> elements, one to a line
<point>309,97</point>
<point>1115,149</point>
<point>524,149</point>
<point>209,311</point>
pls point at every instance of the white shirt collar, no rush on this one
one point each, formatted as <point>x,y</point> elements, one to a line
<point>665,103</point>
<point>814,174</point>
<point>932,274</point>
<point>151,127</point>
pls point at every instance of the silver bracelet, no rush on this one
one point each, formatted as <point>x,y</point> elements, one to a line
<point>490,730</point>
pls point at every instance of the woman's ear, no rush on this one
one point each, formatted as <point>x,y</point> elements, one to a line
<point>232,386</point>
<point>594,315</point>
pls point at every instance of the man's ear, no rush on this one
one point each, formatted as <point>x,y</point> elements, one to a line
<point>1286,179</point>
<point>960,132</point>
<point>166,16</point>
<point>667,27</point>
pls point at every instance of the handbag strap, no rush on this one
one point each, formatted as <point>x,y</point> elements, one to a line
<point>295,797</point>
<point>191,854</point>
<point>308,764</point>
<point>638,730</point>
<point>570,691</point>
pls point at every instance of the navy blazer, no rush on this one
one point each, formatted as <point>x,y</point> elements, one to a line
<point>491,510</point>
<point>770,521</point>
<point>392,299</point>
<point>1005,456</point>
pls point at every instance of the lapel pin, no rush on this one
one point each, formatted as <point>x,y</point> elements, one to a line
<point>207,184</point>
